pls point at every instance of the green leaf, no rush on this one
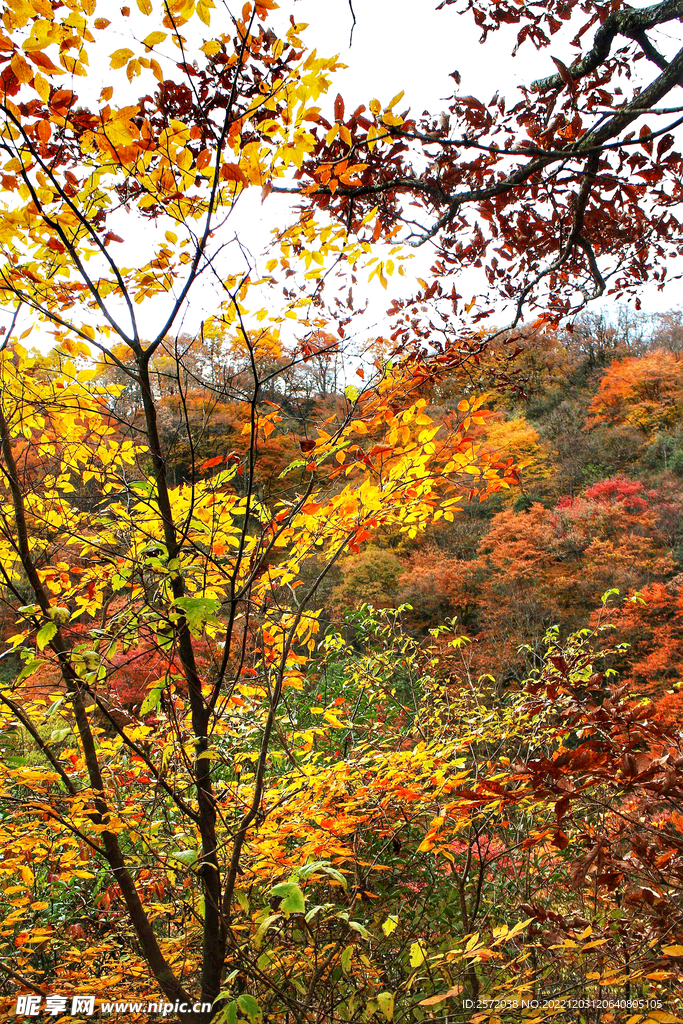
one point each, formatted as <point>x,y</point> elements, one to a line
<point>293,901</point>
<point>326,867</point>
<point>228,1015</point>
<point>118,582</point>
<point>355,925</point>
<point>45,634</point>
<point>315,910</point>
<point>145,487</point>
<point>152,699</point>
<point>199,610</point>
<point>346,959</point>
<point>184,856</point>
<point>28,669</point>
<point>248,1005</point>
<point>263,928</point>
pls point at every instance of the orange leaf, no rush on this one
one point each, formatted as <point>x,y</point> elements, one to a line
<point>44,62</point>
<point>204,159</point>
<point>232,172</point>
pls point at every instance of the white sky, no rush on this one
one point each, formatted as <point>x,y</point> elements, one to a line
<point>397,45</point>
<point>410,45</point>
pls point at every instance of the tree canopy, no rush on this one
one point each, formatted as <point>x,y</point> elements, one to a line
<point>216,791</point>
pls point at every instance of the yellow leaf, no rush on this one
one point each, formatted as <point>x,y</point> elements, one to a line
<point>521,925</point>
<point>42,87</point>
<point>417,956</point>
<point>672,950</point>
<point>385,1001</point>
<point>154,38</point>
<point>21,69</point>
<point>211,47</point>
<point>145,6</point>
<point>204,12</point>
<point>120,57</point>
<point>390,925</point>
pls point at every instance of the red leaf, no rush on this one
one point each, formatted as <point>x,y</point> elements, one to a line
<point>62,98</point>
<point>565,73</point>
<point>560,839</point>
<point>560,664</point>
<point>645,141</point>
<point>231,172</point>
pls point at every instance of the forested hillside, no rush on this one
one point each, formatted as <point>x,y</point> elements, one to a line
<point>522,613</point>
<point>591,419</point>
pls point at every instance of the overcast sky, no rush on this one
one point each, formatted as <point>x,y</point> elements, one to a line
<point>397,45</point>
<point>410,45</point>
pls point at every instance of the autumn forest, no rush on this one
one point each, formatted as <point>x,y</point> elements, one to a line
<point>341,520</point>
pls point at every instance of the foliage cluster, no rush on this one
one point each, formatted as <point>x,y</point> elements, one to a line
<point>233,772</point>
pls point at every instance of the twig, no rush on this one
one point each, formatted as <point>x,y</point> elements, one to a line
<point>353,25</point>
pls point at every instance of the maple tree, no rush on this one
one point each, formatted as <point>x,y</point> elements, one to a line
<point>539,566</point>
<point>186,569</point>
<point>200,805</point>
<point>645,392</point>
<point>555,240</point>
<point>648,623</point>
